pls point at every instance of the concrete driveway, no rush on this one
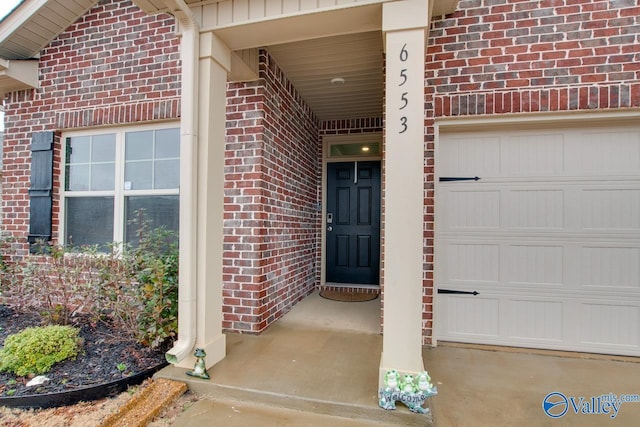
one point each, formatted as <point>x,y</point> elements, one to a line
<point>483,387</point>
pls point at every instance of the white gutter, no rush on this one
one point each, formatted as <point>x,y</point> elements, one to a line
<point>189,54</point>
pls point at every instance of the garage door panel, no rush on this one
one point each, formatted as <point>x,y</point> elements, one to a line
<point>611,209</point>
<point>473,263</point>
<point>604,153</point>
<point>610,324</point>
<point>549,237</point>
<point>474,210</point>
<point>472,317</point>
<point>533,264</point>
<point>610,267</point>
<point>534,154</point>
<point>534,209</point>
<point>534,320</point>
<point>470,154</point>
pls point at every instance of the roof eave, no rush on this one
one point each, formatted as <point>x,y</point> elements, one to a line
<point>18,75</point>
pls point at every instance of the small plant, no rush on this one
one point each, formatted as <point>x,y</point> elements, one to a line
<point>121,367</point>
<point>36,350</point>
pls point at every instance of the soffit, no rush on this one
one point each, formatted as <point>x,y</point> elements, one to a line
<point>34,23</point>
<point>357,58</point>
<point>440,7</point>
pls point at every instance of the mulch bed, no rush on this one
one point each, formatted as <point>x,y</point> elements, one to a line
<point>104,349</point>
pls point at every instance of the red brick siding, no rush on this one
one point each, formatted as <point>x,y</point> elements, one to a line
<point>513,56</point>
<point>115,65</point>
<point>351,126</point>
<point>272,187</point>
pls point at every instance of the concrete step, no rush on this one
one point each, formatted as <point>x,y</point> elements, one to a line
<point>247,405</point>
<point>230,413</point>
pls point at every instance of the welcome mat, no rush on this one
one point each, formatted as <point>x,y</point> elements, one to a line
<point>348,295</point>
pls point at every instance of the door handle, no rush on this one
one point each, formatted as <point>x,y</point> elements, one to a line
<point>330,228</point>
<point>451,291</point>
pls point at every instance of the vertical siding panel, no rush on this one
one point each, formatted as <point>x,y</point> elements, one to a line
<point>240,10</point>
<point>225,12</point>
<point>209,15</point>
<point>326,3</point>
<point>308,4</point>
<point>257,9</point>
<point>273,7</point>
<point>290,6</point>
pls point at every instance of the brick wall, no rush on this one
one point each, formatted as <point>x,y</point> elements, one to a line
<point>115,65</point>
<point>272,188</point>
<point>511,56</point>
<point>351,126</point>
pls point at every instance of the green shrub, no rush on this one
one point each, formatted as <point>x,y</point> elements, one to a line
<point>36,350</point>
<point>137,289</point>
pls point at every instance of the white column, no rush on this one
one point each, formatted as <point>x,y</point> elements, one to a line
<point>405,26</point>
<point>214,65</point>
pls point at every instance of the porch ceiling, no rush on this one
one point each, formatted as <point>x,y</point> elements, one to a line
<point>356,58</point>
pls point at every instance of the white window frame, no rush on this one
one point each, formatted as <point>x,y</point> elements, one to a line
<point>118,193</point>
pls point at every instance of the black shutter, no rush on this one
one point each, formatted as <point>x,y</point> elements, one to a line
<point>41,191</point>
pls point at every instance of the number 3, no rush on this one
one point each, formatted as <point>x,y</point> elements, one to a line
<point>403,123</point>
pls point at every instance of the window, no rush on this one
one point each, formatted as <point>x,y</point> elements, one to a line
<point>353,146</point>
<point>365,149</point>
<point>112,175</point>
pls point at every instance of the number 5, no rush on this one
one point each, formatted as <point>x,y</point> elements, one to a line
<point>403,74</point>
<point>404,98</point>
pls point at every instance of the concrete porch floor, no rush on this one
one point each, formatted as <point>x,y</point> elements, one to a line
<point>318,366</point>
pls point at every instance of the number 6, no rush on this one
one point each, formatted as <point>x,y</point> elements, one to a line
<point>404,55</point>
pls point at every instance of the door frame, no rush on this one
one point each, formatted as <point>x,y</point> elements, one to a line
<point>327,142</point>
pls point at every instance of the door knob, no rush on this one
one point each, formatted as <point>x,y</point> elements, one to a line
<point>329,228</point>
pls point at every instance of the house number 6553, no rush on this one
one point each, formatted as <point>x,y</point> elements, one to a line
<point>404,55</point>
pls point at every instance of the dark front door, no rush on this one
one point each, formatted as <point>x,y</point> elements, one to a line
<point>353,222</point>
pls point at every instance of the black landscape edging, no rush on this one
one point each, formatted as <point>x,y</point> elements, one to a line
<point>84,394</point>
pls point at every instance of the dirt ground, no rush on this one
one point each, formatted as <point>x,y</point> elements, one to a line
<point>90,414</point>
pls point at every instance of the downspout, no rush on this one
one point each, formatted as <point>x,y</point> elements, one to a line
<point>189,54</point>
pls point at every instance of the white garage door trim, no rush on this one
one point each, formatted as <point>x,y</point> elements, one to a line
<point>549,237</point>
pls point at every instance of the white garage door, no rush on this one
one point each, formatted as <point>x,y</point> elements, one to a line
<point>549,237</point>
